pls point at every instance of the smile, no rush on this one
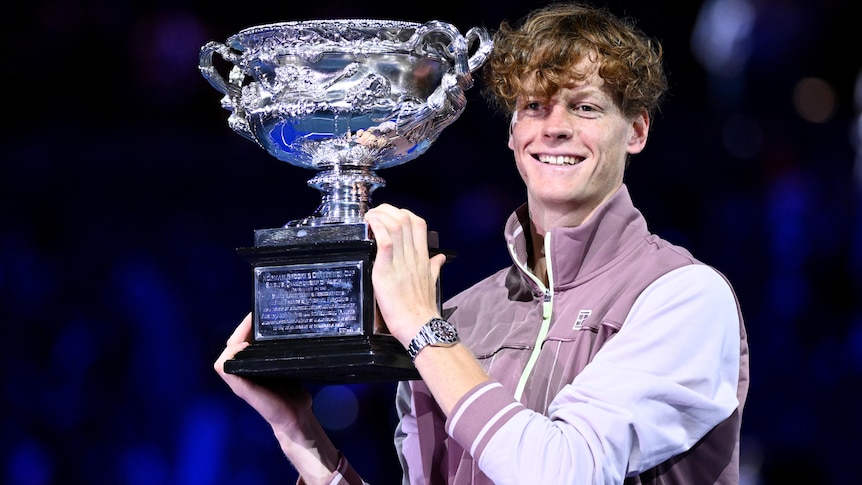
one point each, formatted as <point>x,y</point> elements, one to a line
<point>558,159</point>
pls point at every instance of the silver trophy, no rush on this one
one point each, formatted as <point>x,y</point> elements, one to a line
<point>344,98</point>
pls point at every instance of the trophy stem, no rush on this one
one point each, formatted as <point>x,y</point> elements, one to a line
<point>346,195</point>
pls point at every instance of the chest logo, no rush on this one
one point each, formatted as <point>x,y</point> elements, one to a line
<point>582,317</point>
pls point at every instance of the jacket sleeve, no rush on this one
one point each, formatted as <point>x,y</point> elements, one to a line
<point>405,432</point>
<point>420,437</point>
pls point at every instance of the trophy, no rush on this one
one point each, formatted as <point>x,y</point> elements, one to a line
<point>344,98</point>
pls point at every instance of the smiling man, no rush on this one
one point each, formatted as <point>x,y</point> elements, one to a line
<point>571,149</point>
<point>603,354</point>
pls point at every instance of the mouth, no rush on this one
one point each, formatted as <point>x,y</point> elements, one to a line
<point>558,159</point>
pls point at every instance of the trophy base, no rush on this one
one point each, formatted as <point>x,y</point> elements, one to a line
<point>375,358</point>
<point>315,316</point>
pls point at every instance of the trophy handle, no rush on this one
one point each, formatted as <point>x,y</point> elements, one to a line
<point>482,51</point>
<point>448,100</point>
<point>463,65</point>
<point>233,92</point>
<point>209,71</point>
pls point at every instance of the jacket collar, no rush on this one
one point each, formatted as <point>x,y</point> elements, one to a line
<point>579,253</point>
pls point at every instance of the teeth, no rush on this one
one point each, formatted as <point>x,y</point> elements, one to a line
<point>558,160</point>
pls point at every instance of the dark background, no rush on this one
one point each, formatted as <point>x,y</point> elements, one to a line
<point>124,195</point>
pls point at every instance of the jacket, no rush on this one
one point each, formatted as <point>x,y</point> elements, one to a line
<point>630,366</point>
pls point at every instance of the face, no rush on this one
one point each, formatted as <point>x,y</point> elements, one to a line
<point>571,150</point>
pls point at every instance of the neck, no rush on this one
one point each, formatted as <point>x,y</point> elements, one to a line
<point>546,215</point>
<point>543,219</point>
<point>537,260</point>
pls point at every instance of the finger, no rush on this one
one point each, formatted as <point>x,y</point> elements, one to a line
<point>227,354</point>
<point>406,230</point>
<point>380,232</point>
<point>236,342</point>
<point>242,331</point>
<point>403,235</point>
<point>419,236</point>
<point>436,264</point>
<point>387,231</point>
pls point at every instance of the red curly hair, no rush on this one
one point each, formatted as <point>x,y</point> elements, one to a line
<point>543,51</point>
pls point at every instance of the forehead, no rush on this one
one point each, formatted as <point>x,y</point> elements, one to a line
<point>592,87</point>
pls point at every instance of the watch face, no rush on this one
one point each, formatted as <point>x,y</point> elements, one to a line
<point>444,331</point>
<point>437,333</point>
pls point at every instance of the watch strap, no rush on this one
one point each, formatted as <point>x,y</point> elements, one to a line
<point>436,333</point>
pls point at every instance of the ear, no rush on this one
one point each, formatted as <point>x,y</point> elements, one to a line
<point>639,133</point>
<point>511,143</point>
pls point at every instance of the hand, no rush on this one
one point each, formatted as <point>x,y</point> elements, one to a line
<point>286,406</point>
<point>281,403</point>
<point>404,277</point>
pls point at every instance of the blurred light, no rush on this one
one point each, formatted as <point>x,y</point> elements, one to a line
<point>856,135</point>
<point>814,100</point>
<point>742,136</point>
<point>336,407</point>
<point>857,92</point>
<point>201,443</point>
<point>143,464</point>
<point>165,44</point>
<point>721,40</point>
<point>29,464</point>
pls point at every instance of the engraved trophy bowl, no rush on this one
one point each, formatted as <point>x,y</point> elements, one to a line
<point>344,98</point>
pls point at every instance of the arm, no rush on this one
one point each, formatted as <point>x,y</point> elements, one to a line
<point>286,407</point>
<point>405,284</point>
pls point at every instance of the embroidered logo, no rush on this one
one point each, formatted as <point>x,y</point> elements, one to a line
<point>582,317</point>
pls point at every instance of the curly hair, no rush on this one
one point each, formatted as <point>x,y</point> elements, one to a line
<point>540,56</point>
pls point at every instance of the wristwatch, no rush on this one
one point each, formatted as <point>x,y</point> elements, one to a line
<point>436,333</point>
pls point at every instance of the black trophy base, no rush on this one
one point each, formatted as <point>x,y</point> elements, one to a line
<point>364,358</point>
<point>315,317</point>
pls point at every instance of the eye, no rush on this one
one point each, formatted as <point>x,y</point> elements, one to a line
<point>533,106</point>
<point>585,110</point>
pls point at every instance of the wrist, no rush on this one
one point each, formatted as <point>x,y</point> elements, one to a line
<point>309,449</point>
<point>436,333</point>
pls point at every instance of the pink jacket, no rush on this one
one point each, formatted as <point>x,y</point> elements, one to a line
<point>640,376</point>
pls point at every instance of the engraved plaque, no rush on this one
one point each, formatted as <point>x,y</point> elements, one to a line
<point>308,300</point>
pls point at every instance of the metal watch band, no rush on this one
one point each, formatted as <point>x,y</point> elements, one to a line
<point>436,333</point>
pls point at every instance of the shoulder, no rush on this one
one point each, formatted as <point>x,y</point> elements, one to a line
<point>690,280</point>
<point>694,295</point>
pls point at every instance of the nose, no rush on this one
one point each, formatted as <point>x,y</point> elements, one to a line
<point>557,124</point>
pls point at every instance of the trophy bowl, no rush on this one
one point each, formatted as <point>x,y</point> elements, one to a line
<point>345,97</point>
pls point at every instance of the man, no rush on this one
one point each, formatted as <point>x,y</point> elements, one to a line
<point>603,354</point>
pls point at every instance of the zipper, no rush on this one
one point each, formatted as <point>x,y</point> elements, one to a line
<point>547,311</point>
